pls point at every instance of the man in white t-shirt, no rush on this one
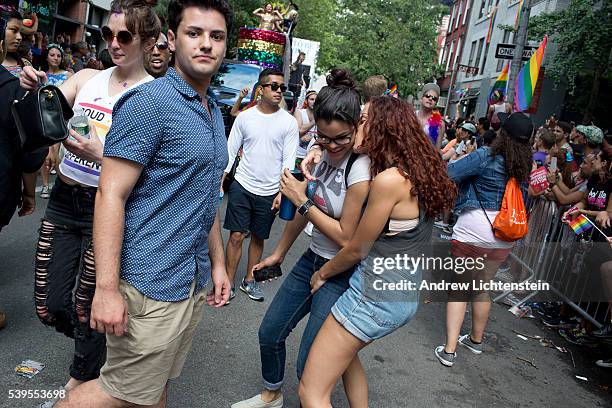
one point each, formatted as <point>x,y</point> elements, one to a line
<point>269,138</point>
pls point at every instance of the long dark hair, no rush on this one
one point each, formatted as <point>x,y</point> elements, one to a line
<point>395,137</point>
<point>517,155</point>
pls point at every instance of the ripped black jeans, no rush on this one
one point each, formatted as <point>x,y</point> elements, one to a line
<point>65,278</point>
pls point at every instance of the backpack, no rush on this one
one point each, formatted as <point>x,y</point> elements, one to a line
<point>349,165</point>
<point>511,222</point>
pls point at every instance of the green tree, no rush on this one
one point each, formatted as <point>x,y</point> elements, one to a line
<point>395,38</point>
<point>582,34</point>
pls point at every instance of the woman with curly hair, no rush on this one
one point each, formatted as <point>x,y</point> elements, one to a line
<point>482,178</point>
<point>409,189</point>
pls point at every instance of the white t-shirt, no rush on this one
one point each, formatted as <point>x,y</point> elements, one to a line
<point>304,146</point>
<point>330,193</point>
<point>269,144</point>
<point>472,227</point>
<point>98,106</point>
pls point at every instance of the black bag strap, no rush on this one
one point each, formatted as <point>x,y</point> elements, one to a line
<point>349,165</point>
<point>481,206</point>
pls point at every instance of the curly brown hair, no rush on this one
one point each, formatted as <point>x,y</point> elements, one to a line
<point>395,137</point>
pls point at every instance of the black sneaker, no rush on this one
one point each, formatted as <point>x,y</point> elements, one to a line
<point>603,333</point>
<point>560,322</point>
<point>447,359</point>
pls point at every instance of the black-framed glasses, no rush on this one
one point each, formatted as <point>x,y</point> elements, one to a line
<point>340,140</point>
<point>123,37</point>
<point>161,45</point>
<point>275,87</point>
<point>432,97</point>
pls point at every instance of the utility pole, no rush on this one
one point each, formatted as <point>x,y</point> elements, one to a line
<point>451,85</point>
<point>519,40</point>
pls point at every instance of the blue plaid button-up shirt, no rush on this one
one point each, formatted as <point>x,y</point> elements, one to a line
<point>164,126</point>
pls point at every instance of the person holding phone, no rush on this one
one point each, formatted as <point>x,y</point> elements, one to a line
<point>334,209</point>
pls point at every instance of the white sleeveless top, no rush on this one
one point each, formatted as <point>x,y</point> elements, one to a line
<point>303,146</point>
<point>98,105</point>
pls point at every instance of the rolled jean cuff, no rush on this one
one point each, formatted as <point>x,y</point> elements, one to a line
<point>272,387</point>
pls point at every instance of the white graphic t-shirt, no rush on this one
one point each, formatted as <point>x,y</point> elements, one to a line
<point>98,106</point>
<point>330,193</point>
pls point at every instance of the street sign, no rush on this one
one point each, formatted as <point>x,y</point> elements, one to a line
<point>506,51</point>
<point>467,69</point>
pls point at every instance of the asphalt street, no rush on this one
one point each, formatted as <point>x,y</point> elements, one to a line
<point>223,366</point>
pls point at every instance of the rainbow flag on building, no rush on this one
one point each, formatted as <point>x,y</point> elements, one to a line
<point>491,25</point>
<point>527,79</point>
<point>519,13</point>
<point>580,224</point>
<point>500,86</point>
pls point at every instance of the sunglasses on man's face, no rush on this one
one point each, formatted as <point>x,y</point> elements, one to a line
<point>432,97</point>
<point>275,87</point>
<point>123,37</point>
<point>161,45</point>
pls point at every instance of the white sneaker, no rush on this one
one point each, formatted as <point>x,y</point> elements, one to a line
<point>257,402</point>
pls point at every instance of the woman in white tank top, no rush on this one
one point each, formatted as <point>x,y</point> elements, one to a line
<point>306,124</point>
<point>64,256</point>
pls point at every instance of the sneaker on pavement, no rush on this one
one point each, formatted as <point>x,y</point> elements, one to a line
<point>257,402</point>
<point>252,289</point>
<point>604,333</point>
<point>604,363</point>
<point>44,193</point>
<point>448,359</point>
<point>466,341</point>
<point>231,296</point>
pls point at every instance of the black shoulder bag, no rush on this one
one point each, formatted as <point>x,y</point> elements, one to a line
<point>41,117</point>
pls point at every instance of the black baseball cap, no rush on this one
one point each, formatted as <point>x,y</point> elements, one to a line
<point>518,125</point>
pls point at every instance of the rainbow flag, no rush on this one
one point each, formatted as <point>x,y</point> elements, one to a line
<point>500,85</point>
<point>519,13</point>
<point>527,79</point>
<point>580,224</point>
<point>491,25</point>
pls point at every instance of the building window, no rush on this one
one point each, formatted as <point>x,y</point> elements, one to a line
<point>479,52</point>
<point>506,40</point>
<point>471,60</point>
<point>447,55</point>
<point>467,9</point>
<point>459,4</point>
<point>484,59</point>
<point>483,6</point>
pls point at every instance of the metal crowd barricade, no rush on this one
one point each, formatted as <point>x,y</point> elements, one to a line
<point>543,255</point>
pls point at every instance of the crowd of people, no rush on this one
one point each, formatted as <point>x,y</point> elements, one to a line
<point>131,234</point>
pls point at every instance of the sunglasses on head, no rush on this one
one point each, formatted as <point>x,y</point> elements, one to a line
<point>432,97</point>
<point>123,37</point>
<point>275,87</point>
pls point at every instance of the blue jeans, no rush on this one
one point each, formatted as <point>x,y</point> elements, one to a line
<point>291,303</point>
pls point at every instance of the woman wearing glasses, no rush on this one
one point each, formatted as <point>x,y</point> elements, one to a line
<point>409,188</point>
<point>64,256</point>
<point>334,208</point>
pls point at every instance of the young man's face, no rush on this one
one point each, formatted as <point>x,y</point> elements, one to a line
<point>13,38</point>
<point>559,133</point>
<point>156,61</point>
<point>270,96</point>
<point>199,44</point>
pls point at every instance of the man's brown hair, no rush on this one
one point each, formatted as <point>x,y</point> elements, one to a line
<point>374,86</point>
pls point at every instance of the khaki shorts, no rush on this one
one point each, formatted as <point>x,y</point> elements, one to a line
<point>154,349</point>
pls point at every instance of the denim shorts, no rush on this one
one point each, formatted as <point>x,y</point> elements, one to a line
<point>369,319</point>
